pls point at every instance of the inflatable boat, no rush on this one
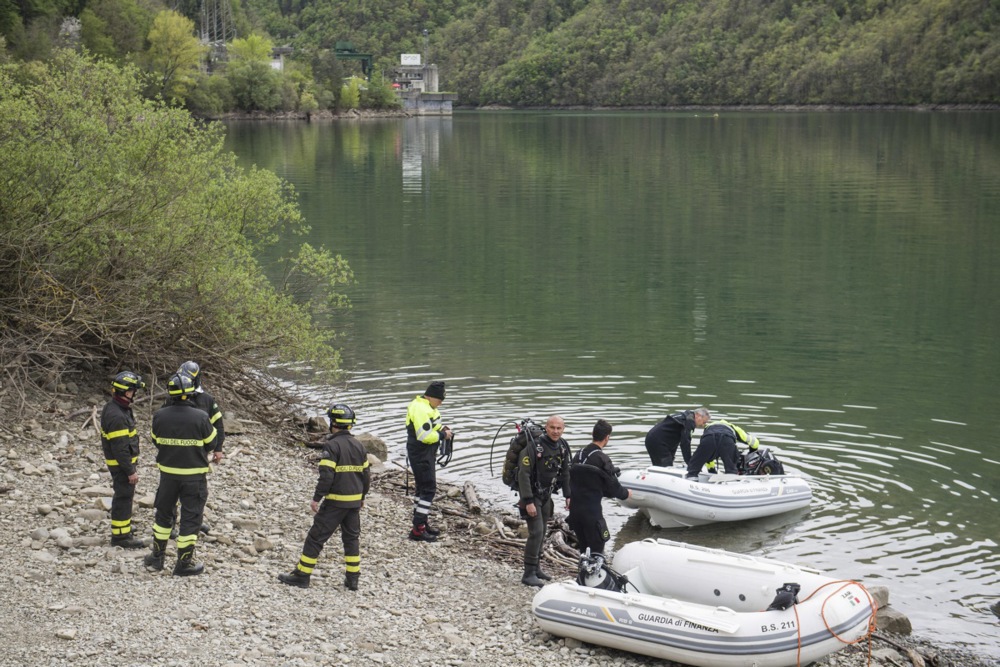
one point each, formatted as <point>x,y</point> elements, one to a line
<point>708,608</point>
<point>675,502</point>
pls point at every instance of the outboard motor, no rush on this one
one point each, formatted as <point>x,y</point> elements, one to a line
<point>595,573</point>
<point>761,462</point>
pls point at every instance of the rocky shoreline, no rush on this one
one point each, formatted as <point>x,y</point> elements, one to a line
<point>71,599</point>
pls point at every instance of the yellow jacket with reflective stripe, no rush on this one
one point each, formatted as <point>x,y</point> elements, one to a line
<point>119,439</point>
<point>423,422</point>
<point>344,475</point>
<point>734,430</point>
<point>184,437</point>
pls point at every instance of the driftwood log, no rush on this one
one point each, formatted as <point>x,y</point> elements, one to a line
<point>471,499</point>
<point>497,534</point>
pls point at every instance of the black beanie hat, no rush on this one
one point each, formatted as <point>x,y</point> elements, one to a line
<point>435,390</point>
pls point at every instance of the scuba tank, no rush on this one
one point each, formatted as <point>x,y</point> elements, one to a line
<point>595,573</point>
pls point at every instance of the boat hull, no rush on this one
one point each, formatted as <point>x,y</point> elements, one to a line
<point>678,615</point>
<point>675,502</point>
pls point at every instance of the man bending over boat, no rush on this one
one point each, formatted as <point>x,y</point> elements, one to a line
<point>673,430</point>
<point>719,442</point>
<point>593,477</point>
<point>543,468</point>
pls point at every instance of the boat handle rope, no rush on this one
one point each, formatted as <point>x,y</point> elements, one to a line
<point>871,619</point>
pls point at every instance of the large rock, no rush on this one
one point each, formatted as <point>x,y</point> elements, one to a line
<point>891,620</point>
<point>880,594</point>
<point>373,445</point>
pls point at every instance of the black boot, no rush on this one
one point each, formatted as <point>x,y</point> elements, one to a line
<point>351,580</point>
<point>431,530</point>
<point>154,559</point>
<point>126,541</point>
<point>420,534</point>
<point>185,566</point>
<point>530,578</point>
<point>296,578</point>
<point>540,574</point>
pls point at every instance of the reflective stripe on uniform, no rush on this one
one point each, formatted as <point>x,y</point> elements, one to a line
<point>121,526</point>
<point>175,442</point>
<point>123,433</point>
<point>337,496</point>
<point>186,540</point>
<point>161,533</point>
<point>182,471</point>
<point>306,564</point>
<point>184,442</point>
<point>114,462</point>
<point>352,563</point>
<point>344,468</point>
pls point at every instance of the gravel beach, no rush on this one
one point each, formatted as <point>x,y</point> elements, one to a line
<point>71,599</point>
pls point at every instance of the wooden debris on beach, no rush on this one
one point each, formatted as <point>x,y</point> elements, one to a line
<point>497,535</point>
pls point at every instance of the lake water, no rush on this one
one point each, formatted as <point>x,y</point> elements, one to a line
<point>829,281</point>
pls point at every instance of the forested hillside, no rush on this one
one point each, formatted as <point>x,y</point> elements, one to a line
<point>591,52</point>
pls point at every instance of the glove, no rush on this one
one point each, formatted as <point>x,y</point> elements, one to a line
<point>711,467</point>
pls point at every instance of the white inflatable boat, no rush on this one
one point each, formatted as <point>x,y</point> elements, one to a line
<point>675,502</point>
<point>707,608</point>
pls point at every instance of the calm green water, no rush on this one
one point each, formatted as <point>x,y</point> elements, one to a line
<point>828,280</point>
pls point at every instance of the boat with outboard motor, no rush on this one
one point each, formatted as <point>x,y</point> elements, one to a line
<point>673,501</point>
<point>706,607</point>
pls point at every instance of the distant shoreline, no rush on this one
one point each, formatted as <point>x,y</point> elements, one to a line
<point>371,114</point>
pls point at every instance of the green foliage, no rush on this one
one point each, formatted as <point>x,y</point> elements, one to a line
<point>253,48</point>
<point>174,56</point>
<point>130,234</point>
<point>591,52</point>
<point>350,93</point>
<point>379,94</point>
<point>255,85</point>
<point>210,97</point>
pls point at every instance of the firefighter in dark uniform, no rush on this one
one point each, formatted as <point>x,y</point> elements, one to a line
<point>424,432</point>
<point>593,477</point>
<point>184,439</point>
<point>206,402</point>
<point>673,430</point>
<point>719,441</point>
<point>120,442</point>
<point>543,468</point>
<point>344,478</point>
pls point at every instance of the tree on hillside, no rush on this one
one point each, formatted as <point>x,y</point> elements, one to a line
<point>255,85</point>
<point>131,239</point>
<point>115,28</point>
<point>174,55</point>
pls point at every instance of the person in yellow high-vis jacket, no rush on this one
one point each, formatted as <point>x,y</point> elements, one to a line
<point>424,432</point>
<point>719,441</point>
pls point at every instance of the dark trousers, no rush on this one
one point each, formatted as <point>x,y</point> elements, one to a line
<point>591,529</point>
<point>536,529</point>
<point>713,446</point>
<point>121,502</point>
<point>662,449</point>
<point>192,492</point>
<point>325,524</point>
<point>422,462</point>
